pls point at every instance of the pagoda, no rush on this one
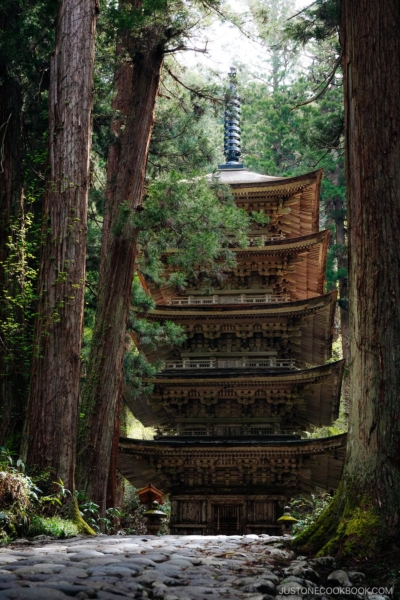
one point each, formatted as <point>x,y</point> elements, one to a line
<point>233,403</point>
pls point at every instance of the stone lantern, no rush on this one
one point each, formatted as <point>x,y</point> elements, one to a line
<point>287,521</point>
<point>154,519</point>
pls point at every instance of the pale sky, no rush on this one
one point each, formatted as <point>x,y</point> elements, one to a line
<point>227,45</point>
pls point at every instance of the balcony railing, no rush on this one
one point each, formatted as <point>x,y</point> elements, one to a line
<point>231,363</point>
<point>259,239</point>
<point>241,299</point>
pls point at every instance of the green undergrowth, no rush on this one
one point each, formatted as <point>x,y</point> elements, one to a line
<point>32,506</point>
<point>307,510</point>
<point>52,526</point>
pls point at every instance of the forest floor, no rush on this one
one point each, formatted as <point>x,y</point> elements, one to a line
<point>175,568</point>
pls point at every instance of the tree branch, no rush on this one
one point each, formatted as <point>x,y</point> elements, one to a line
<point>302,10</point>
<point>328,81</point>
<point>190,89</point>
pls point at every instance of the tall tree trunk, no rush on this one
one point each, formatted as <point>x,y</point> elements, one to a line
<point>54,392</point>
<point>125,173</point>
<point>12,382</point>
<point>341,253</point>
<point>365,514</point>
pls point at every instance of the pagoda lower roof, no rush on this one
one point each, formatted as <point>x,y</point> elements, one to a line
<point>312,317</point>
<point>307,272</point>
<point>319,388</point>
<point>291,466</point>
<point>270,309</point>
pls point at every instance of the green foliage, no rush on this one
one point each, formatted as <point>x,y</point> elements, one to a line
<point>18,296</point>
<point>153,334</point>
<point>52,526</point>
<point>90,513</point>
<point>132,519</point>
<point>18,493</point>
<point>138,371</point>
<point>186,136</point>
<point>319,21</point>
<point>26,511</point>
<point>132,514</point>
<point>198,219</point>
<point>307,510</point>
<point>147,334</point>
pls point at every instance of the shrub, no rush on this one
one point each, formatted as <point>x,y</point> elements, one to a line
<point>54,526</point>
<point>307,510</point>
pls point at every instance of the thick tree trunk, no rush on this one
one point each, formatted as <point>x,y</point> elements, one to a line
<point>126,173</point>
<point>13,385</point>
<point>365,514</point>
<point>54,392</point>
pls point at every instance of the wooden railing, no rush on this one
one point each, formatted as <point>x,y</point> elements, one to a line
<point>241,299</point>
<point>231,363</point>
<point>258,239</point>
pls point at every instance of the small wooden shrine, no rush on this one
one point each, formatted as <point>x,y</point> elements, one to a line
<point>232,404</point>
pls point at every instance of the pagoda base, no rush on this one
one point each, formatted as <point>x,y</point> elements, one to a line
<point>226,514</point>
<point>231,486</point>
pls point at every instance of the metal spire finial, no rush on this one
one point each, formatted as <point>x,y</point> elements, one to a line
<point>232,126</point>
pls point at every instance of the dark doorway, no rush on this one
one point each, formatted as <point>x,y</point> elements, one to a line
<point>227,519</point>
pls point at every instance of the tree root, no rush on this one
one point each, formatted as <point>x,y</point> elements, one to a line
<point>348,528</point>
<point>73,514</point>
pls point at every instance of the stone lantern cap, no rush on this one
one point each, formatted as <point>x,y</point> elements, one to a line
<point>287,516</point>
<point>154,512</point>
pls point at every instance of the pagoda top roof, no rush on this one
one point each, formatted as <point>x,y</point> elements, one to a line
<point>237,176</point>
<point>244,177</point>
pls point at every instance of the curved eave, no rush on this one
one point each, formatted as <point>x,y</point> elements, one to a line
<point>321,390</point>
<point>271,310</point>
<point>243,179</point>
<point>241,376</point>
<point>299,194</point>
<point>312,318</point>
<point>290,246</point>
<point>309,273</point>
<point>319,461</point>
<point>274,447</point>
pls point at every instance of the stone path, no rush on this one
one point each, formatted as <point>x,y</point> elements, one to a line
<point>167,568</point>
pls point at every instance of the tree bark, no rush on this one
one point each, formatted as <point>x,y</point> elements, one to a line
<point>54,391</point>
<point>13,385</point>
<point>341,253</point>
<point>364,516</point>
<point>125,173</point>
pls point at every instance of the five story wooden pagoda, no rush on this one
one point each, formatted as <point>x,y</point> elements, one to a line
<point>233,402</point>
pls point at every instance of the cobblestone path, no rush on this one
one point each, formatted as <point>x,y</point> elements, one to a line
<point>167,568</point>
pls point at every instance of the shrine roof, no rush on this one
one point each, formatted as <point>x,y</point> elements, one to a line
<point>244,177</point>
<point>283,246</point>
<point>314,463</point>
<point>188,377</point>
<point>237,176</point>
<point>300,446</point>
<point>289,245</point>
<point>319,401</point>
<point>269,309</point>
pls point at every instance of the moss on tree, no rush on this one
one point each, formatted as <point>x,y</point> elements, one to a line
<point>73,513</point>
<point>348,528</point>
